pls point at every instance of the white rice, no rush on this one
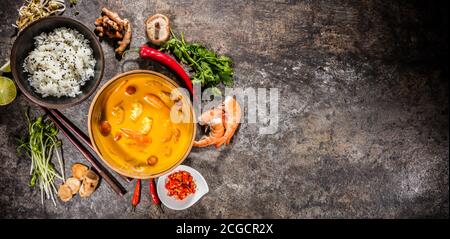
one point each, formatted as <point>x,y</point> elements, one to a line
<point>60,64</point>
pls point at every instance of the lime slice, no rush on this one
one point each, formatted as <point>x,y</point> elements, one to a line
<point>7,90</point>
<point>6,68</point>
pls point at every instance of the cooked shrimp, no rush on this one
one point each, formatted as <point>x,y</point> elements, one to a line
<point>213,119</point>
<point>146,125</point>
<point>136,136</point>
<point>216,132</point>
<point>232,118</point>
<point>156,102</point>
<point>136,111</point>
<point>207,116</point>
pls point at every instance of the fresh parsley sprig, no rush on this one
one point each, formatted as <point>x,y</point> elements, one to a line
<point>209,68</point>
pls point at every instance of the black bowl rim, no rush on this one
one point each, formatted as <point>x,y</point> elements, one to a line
<point>32,98</point>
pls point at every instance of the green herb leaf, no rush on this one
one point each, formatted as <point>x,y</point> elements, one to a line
<point>209,69</point>
<point>33,180</point>
<point>40,144</point>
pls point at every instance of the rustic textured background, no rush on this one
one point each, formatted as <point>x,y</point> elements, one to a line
<point>363,111</point>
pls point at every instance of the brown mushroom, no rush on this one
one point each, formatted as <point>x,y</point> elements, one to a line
<point>91,177</point>
<point>157,28</point>
<point>74,184</point>
<point>89,184</point>
<point>79,170</point>
<point>64,192</point>
<point>105,128</point>
<point>152,160</point>
<point>87,189</point>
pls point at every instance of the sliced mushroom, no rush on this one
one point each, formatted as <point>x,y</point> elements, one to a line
<point>86,190</point>
<point>79,170</point>
<point>89,184</point>
<point>74,184</point>
<point>91,178</point>
<point>64,192</point>
<point>157,28</point>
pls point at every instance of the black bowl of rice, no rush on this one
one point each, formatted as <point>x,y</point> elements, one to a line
<point>57,62</point>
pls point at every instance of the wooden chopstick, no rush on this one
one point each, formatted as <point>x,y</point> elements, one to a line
<point>112,182</point>
<point>80,134</point>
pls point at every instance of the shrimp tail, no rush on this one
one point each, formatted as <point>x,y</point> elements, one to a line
<point>205,141</point>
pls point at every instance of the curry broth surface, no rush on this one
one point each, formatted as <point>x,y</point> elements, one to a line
<point>128,154</point>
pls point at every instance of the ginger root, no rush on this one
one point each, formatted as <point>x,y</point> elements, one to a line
<point>126,39</point>
<point>110,25</point>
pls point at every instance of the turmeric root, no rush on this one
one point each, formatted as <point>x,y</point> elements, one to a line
<point>98,21</point>
<point>126,39</point>
<point>114,34</point>
<point>110,23</point>
<point>113,16</point>
<point>112,26</point>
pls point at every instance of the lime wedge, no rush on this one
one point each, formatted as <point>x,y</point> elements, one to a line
<point>7,90</point>
<point>6,68</point>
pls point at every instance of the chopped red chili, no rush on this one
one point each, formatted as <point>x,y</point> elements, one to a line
<point>180,184</point>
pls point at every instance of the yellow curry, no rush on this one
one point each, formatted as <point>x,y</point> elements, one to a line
<point>134,128</point>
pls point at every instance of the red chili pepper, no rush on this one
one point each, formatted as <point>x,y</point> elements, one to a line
<point>154,194</point>
<point>136,194</point>
<point>153,54</point>
<point>180,184</point>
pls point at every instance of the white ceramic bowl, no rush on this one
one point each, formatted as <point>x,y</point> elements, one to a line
<point>171,202</point>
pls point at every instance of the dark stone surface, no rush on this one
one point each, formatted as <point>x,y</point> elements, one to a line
<point>363,112</point>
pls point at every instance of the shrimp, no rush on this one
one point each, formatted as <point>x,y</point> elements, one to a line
<point>213,119</point>
<point>156,102</point>
<point>209,115</point>
<point>232,118</point>
<point>136,136</point>
<point>136,111</point>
